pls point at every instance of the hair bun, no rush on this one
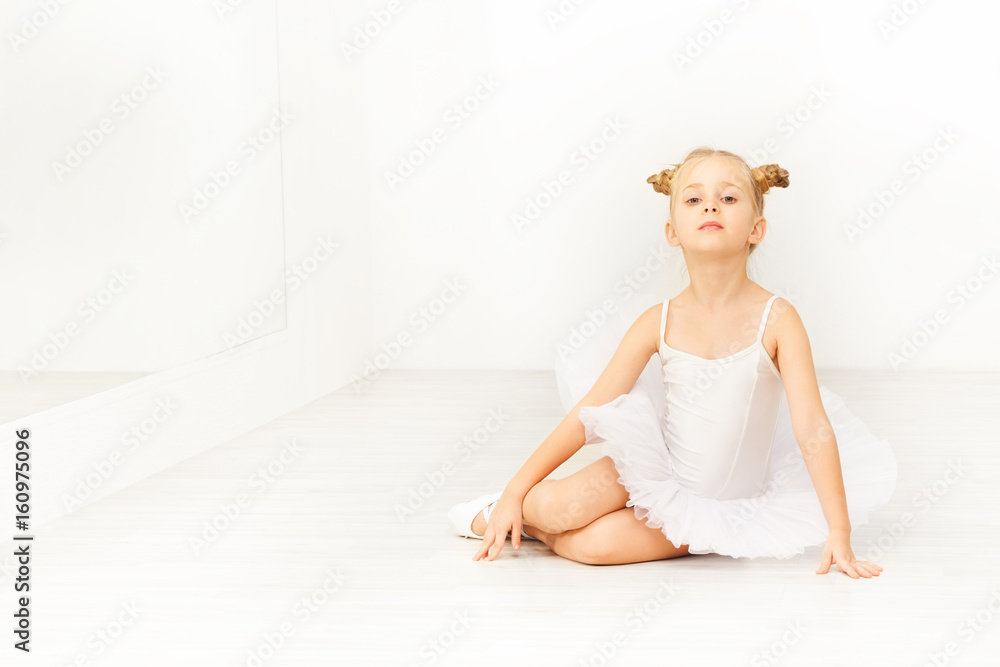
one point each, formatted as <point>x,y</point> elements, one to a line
<point>663,180</point>
<point>771,175</point>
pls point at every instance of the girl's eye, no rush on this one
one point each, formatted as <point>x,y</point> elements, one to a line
<point>693,198</point>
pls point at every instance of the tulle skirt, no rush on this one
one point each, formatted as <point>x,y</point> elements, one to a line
<point>779,523</point>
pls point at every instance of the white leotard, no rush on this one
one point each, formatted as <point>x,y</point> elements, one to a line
<point>720,416</point>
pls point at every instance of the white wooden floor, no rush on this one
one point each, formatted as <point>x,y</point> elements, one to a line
<point>319,563</point>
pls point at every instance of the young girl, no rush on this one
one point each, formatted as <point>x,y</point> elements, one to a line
<point>720,443</point>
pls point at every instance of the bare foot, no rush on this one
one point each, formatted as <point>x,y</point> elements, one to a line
<point>479,525</point>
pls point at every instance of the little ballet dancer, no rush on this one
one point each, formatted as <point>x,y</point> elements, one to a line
<point>726,444</point>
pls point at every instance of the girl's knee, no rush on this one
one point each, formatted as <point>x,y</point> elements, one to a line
<point>598,544</point>
<point>588,545</point>
<point>555,508</point>
<point>564,508</point>
<point>571,547</point>
<point>577,500</point>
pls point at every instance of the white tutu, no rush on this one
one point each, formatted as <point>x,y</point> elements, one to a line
<point>780,523</point>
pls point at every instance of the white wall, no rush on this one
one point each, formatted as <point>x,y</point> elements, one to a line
<point>141,185</point>
<point>329,313</point>
<point>887,100</point>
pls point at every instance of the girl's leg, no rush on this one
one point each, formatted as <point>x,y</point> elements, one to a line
<point>557,505</point>
<point>560,505</point>
<point>613,539</point>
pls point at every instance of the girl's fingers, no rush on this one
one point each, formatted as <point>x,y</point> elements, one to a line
<point>498,546</point>
<point>851,570</point>
<point>870,567</point>
<point>484,547</point>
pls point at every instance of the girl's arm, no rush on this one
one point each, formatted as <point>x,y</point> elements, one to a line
<point>810,423</point>
<point>818,443</point>
<point>638,344</point>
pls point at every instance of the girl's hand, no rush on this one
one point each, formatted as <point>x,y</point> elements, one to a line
<point>838,550</point>
<point>505,518</point>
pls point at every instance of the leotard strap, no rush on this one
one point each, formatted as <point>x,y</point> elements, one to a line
<point>763,319</point>
<point>663,323</point>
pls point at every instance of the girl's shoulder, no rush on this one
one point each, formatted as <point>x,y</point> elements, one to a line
<point>781,309</point>
<point>784,325</point>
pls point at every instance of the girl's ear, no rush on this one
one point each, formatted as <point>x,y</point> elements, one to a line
<point>671,234</point>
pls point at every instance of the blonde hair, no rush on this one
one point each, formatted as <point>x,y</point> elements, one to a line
<point>759,180</point>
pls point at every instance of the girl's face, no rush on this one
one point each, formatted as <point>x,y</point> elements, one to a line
<point>713,210</point>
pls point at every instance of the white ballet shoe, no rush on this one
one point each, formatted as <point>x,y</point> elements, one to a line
<point>462,515</point>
